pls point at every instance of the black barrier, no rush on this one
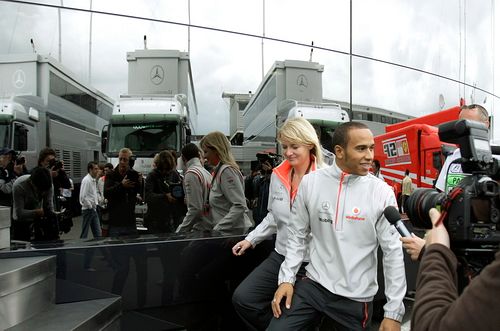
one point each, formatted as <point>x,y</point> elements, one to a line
<point>187,282</point>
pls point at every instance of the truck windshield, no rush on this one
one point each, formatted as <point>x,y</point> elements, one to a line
<point>4,134</point>
<point>144,138</point>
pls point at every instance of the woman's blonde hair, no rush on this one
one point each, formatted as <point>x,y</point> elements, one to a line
<point>218,142</point>
<point>299,131</point>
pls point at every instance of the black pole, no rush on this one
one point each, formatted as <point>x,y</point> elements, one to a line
<point>350,61</point>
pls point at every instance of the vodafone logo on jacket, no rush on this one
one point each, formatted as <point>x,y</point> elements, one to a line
<point>354,216</point>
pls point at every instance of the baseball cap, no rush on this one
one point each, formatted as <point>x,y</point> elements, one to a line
<point>6,150</point>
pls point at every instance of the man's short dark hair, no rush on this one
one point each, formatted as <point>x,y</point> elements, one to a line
<point>91,165</point>
<point>109,166</point>
<point>190,151</point>
<point>341,134</point>
<point>407,172</point>
<point>44,153</point>
<point>41,178</point>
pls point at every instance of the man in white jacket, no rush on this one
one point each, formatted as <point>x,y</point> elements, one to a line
<point>340,208</point>
<point>197,182</point>
<point>88,200</point>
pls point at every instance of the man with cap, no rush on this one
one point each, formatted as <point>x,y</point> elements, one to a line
<point>9,171</point>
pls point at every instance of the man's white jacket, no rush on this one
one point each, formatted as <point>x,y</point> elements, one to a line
<point>343,213</point>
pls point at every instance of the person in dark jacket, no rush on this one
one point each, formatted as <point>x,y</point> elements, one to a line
<point>158,195</point>
<point>10,170</point>
<point>120,189</point>
<point>47,158</point>
<point>438,306</point>
<point>32,196</point>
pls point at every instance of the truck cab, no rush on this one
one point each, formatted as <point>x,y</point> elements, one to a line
<point>146,125</point>
<point>324,117</point>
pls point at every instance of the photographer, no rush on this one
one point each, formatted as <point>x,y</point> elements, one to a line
<point>33,203</point>
<point>261,185</point>
<point>451,174</point>
<point>437,303</point>
<point>47,159</point>
<point>11,167</point>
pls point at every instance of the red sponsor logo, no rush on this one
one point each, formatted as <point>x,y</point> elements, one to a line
<point>355,218</point>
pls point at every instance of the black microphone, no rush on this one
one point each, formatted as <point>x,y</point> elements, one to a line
<point>393,216</point>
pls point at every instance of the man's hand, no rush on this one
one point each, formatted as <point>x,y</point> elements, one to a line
<point>170,198</point>
<point>39,212</point>
<point>438,234</point>
<point>18,169</point>
<point>241,247</point>
<point>127,183</point>
<point>266,166</point>
<point>284,290</point>
<point>389,325</point>
<point>413,246</point>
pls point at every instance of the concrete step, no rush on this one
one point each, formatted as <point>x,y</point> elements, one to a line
<point>27,287</point>
<point>91,315</point>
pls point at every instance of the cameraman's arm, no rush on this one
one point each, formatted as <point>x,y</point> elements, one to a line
<point>23,214</point>
<point>151,196</point>
<point>437,304</point>
<point>6,185</point>
<point>63,179</point>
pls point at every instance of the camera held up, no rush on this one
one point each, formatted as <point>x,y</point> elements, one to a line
<point>470,211</point>
<point>55,164</point>
<point>272,159</point>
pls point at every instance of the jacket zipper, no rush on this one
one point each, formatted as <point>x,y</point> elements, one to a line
<point>342,176</point>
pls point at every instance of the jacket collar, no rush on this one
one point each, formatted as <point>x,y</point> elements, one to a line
<point>193,162</point>
<point>338,173</point>
<point>284,169</point>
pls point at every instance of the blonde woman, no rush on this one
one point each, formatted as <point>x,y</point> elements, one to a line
<point>302,153</point>
<point>227,202</point>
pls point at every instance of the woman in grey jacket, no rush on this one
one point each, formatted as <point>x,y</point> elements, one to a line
<point>301,149</point>
<point>228,208</point>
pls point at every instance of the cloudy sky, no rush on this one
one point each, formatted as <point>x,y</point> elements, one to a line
<point>455,39</point>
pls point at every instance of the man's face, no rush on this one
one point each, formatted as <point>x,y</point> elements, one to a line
<point>357,157</point>
<point>123,159</point>
<point>107,171</point>
<point>94,171</point>
<point>45,163</point>
<point>4,160</point>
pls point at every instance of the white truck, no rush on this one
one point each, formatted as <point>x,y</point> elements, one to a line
<point>290,89</point>
<point>159,111</point>
<point>325,117</point>
<point>42,104</point>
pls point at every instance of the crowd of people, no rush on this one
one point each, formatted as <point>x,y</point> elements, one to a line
<point>325,213</point>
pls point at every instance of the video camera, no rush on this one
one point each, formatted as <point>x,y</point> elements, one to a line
<point>17,159</point>
<point>271,158</point>
<point>471,210</point>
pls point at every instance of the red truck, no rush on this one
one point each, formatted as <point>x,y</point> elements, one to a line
<point>414,145</point>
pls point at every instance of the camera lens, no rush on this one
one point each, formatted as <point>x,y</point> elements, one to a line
<point>419,203</point>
